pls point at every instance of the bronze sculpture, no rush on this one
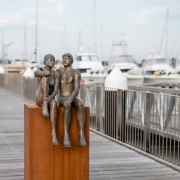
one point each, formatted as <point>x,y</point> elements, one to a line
<point>48,88</point>
<point>69,85</point>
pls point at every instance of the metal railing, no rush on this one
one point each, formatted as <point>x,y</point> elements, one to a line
<point>21,86</point>
<point>148,121</point>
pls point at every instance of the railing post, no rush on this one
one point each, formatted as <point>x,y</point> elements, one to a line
<point>0,81</point>
<point>147,122</point>
<point>98,108</point>
<point>120,115</point>
<point>3,78</point>
<point>119,106</point>
<point>169,113</point>
<point>81,94</point>
<point>123,126</point>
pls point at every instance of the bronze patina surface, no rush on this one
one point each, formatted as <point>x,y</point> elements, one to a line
<point>69,86</point>
<point>48,88</point>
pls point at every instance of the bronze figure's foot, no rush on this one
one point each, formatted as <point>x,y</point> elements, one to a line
<point>54,138</point>
<point>55,141</point>
<point>45,109</point>
<point>66,141</point>
<point>82,141</point>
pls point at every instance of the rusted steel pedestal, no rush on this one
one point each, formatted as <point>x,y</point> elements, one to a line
<point>44,161</point>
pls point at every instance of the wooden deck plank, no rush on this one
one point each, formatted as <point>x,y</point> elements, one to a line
<point>108,160</point>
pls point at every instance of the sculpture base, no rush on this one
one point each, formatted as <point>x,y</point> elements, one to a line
<point>43,160</point>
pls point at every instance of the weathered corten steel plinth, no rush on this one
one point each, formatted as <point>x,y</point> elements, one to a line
<point>43,161</point>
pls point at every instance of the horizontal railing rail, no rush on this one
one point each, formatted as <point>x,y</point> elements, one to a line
<point>158,89</point>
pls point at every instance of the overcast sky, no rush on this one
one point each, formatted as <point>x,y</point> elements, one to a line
<point>142,21</point>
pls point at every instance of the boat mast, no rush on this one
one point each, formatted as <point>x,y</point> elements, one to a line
<point>2,45</point>
<point>165,29</point>
<point>124,44</point>
<point>101,41</point>
<point>80,42</point>
<point>167,33</point>
<point>36,32</point>
<point>65,37</point>
<point>25,41</point>
<point>95,40</point>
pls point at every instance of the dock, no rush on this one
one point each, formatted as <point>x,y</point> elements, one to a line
<point>108,160</point>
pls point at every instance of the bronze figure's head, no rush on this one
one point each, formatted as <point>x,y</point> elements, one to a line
<point>67,59</point>
<point>49,60</point>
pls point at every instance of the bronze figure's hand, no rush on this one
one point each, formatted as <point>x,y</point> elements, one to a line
<point>48,99</point>
<point>68,103</point>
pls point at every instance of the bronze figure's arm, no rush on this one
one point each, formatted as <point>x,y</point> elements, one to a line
<point>77,80</point>
<point>49,98</point>
<point>42,72</point>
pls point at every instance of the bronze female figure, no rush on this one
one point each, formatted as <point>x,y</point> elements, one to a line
<point>48,88</point>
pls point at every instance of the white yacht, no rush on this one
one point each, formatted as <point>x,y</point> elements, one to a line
<point>124,61</point>
<point>128,67</point>
<point>90,67</point>
<point>177,66</point>
<point>158,69</point>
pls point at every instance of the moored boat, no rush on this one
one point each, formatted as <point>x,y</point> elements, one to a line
<point>128,67</point>
<point>158,69</point>
<point>90,67</point>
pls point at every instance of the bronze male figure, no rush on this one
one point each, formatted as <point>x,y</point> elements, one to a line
<point>69,86</point>
<point>48,88</point>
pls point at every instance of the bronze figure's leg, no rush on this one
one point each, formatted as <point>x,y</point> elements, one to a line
<point>45,89</point>
<point>81,120</point>
<point>66,119</point>
<point>66,122</point>
<point>53,119</point>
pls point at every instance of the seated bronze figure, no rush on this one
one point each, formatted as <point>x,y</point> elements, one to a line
<point>48,88</point>
<point>69,85</point>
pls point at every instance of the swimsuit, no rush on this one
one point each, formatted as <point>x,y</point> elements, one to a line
<point>51,85</point>
<point>63,97</point>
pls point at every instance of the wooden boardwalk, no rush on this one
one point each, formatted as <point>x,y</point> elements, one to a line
<point>108,160</point>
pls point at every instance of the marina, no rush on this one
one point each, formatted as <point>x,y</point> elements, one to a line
<point>147,123</point>
<point>108,71</point>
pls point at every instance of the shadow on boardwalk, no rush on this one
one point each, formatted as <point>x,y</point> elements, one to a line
<point>108,160</point>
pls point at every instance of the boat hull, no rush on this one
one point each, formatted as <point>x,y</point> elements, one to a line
<point>164,78</point>
<point>87,78</point>
<point>134,79</point>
